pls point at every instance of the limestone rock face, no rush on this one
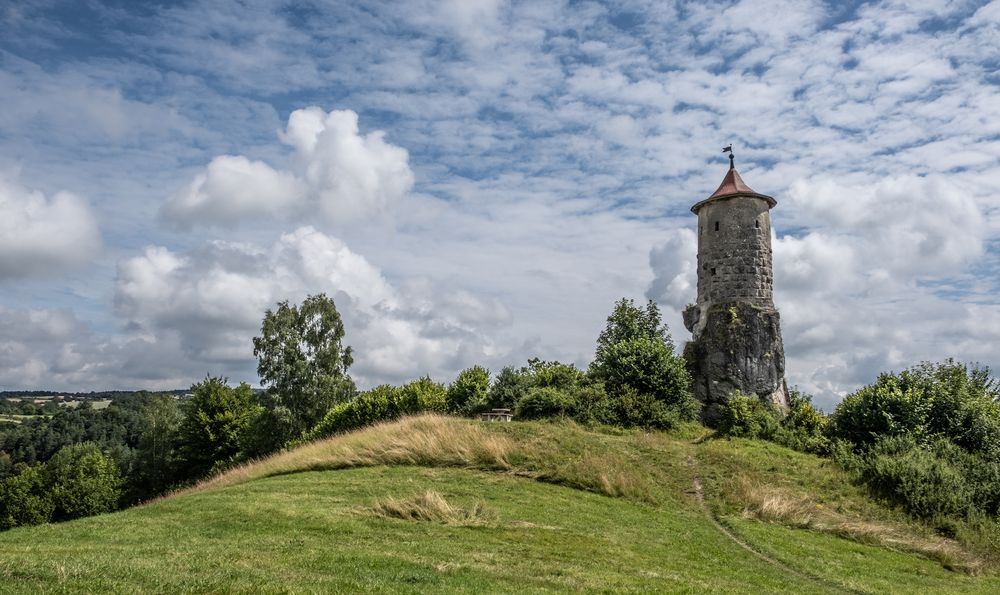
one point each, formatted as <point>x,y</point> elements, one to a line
<point>736,346</point>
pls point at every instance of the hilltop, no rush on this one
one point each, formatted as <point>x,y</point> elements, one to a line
<point>441,503</point>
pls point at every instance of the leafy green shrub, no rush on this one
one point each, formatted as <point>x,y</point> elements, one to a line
<point>649,366</point>
<point>592,405</point>
<point>468,393</point>
<point>544,401</point>
<point>633,408</point>
<point>24,499</point>
<point>925,402</point>
<point>81,481</point>
<point>382,403</point>
<point>746,416</point>
<point>268,432</point>
<point>926,481</point>
<point>423,394</point>
<point>927,439</point>
<point>803,427</point>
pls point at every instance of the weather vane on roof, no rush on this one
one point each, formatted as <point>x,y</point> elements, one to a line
<point>732,156</point>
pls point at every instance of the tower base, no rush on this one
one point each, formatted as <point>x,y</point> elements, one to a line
<point>736,346</point>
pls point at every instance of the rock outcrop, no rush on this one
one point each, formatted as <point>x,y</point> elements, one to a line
<point>737,346</point>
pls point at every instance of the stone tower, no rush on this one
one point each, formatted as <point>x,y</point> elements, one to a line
<point>736,340</point>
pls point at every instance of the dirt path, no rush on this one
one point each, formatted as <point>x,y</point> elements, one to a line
<point>699,494</point>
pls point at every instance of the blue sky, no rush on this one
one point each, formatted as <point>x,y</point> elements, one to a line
<point>477,181</point>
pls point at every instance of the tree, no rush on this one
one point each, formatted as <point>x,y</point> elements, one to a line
<point>635,353</point>
<point>509,386</point>
<point>303,365</point>
<point>628,321</point>
<point>215,418</point>
<point>24,499</point>
<point>81,481</point>
<point>154,464</point>
<point>468,394</point>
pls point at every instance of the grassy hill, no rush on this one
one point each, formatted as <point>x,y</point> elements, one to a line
<point>443,504</point>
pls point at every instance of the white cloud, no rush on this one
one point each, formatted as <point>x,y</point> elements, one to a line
<point>233,188</point>
<point>37,345</point>
<point>211,301</point>
<point>40,235</point>
<point>674,264</point>
<point>334,170</point>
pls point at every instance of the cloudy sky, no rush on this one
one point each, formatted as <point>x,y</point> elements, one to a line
<point>477,181</point>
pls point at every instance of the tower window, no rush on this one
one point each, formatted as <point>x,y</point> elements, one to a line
<point>756,224</point>
<point>713,268</point>
<point>716,226</point>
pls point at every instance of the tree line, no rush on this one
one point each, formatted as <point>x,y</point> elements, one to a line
<point>926,439</point>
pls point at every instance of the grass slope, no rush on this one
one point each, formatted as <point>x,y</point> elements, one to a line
<point>442,504</point>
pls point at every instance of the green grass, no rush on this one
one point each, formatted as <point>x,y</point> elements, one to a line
<point>438,504</point>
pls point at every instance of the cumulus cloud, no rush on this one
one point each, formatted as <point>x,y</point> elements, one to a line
<point>211,301</point>
<point>334,171</point>
<point>905,225</point>
<point>41,234</point>
<point>233,188</point>
<point>674,264</point>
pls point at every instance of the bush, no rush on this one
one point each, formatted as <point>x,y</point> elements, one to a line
<point>635,409</point>
<point>267,432</point>
<point>926,402</point>
<point>924,481</point>
<point>544,401</point>
<point>554,389</point>
<point>803,427</point>
<point>424,394</point>
<point>747,417</point>
<point>649,366</point>
<point>382,403</point>
<point>591,405</point>
<point>81,482</point>
<point>24,499</point>
<point>886,408</point>
<point>927,439</point>
<point>468,393</point>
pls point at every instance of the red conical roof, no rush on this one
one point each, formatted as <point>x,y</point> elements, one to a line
<point>733,185</point>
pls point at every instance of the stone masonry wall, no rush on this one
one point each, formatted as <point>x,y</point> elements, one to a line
<point>734,252</point>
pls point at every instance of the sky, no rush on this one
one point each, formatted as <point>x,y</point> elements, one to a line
<point>478,181</point>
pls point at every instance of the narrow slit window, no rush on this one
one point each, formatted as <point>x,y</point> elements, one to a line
<point>716,226</point>
<point>756,224</point>
<point>713,268</point>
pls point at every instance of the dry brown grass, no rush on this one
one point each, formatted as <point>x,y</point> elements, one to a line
<point>432,507</point>
<point>779,505</point>
<point>428,440</point>
<point>441,441</point>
